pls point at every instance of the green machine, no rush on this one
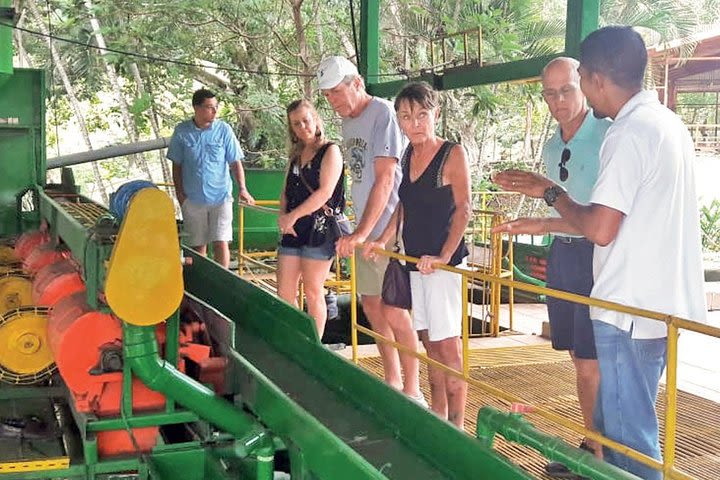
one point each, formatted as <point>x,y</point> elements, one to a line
<point>144,368</point>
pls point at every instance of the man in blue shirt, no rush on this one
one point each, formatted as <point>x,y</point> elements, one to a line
<point>205,152</point>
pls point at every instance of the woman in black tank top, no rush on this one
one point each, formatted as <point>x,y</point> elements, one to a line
<point>314,179</point>
<point>434,211</point>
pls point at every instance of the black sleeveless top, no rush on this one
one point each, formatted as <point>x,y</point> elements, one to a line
<point>296,193</point>
<point>428,207</point>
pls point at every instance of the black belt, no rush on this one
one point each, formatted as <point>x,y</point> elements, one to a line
<point>564,239</point>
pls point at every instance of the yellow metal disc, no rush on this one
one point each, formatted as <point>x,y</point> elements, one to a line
<point>15,292</point>
<point>7,255</point>
<point>144,283</point>
<point>24,347</point>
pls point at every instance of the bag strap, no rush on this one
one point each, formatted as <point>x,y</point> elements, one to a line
<point>325,208</point>
<point>398,228</point>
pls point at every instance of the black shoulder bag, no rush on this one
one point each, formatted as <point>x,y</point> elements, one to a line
<point>396,281</point>
<point>327,226</point>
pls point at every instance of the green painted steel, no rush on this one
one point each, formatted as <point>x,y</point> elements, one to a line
<point>581,19</point>
<point>369,61</point>
<point>515,428</point>
<point>261,232</point>
<point>340,418</point>
<point>22,146</point>
<point>140,352</point>
<point>6,38</point>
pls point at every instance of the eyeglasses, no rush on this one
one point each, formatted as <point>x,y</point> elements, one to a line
<point>564,158</point>
<point>564,92</point>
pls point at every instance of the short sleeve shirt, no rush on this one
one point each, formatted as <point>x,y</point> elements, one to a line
<point>655,261</point>
<point>584,161</point>
<point>374,133</point>
<point>204,155</point>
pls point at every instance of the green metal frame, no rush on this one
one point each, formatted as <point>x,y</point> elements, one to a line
<point>271,333</point>
<point>22,98</point>
<point>582,17</point>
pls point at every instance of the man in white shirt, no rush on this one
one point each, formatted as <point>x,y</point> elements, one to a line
<point>643,218</point>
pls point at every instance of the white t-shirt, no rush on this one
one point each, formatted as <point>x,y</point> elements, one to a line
<point>655,262</point>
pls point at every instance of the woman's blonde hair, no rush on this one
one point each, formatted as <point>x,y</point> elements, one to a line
<point>295,146</point>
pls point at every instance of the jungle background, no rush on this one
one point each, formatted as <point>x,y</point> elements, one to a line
<point>124,70</point>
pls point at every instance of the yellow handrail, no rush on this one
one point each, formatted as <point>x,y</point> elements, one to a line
<point>673,322</point>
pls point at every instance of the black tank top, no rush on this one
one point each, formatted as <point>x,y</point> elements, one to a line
<point>428,207</point>
<point>296,193</point>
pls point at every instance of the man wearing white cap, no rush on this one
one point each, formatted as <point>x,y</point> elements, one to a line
<point>372,146</point>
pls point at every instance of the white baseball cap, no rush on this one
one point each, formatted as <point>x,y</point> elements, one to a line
<point>333,70</point>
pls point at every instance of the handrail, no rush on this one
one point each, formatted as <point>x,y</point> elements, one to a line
<point>673,322</point>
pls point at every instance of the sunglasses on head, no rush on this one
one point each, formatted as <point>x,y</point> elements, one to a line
<point>564,157</point>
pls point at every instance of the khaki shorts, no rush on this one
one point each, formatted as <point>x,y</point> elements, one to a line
<point>204,224</point>
<point>369,275</point>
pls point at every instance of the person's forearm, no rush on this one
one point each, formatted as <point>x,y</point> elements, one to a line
<point>316,200</point>
<point>586,220</point>
<point>390,231</point>
<point>459,223</point>
<point>560,225</point>
<point>177,182</point>
<point>379,196</point>
<point>238,173</point>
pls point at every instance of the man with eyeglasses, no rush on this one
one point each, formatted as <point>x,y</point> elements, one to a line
<point>205,153</point>
<point>643,218</point>
<point>571,158</point>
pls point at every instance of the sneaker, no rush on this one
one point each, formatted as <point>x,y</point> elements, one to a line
<point>559,470</point>
<point>420,400</point>
<point>334,346</point>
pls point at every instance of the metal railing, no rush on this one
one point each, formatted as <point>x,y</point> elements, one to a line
<point>674,323</point>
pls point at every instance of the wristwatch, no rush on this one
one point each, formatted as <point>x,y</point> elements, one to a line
<point>551,194</point>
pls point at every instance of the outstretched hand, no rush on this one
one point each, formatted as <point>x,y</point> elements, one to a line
<point>528,226</point>
<point>528,183</point>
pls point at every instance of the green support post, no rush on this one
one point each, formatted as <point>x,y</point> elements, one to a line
<point>369,54</point>
<point>7,17</point>
<point>517,429</point>
<point>582,18</point>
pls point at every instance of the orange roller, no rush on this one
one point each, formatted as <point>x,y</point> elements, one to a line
<point>27,242</point>
<point>87,348</point>
<point>55,281</point>
<point>40,257</point>
<point>75,332</point>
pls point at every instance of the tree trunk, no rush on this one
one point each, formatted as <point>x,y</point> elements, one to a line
<point>128,122</point>
<point>140,88</point>
<point>70,90</point>
<point>302,47</point>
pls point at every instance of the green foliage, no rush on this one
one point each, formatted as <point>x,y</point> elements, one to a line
<point>710,226</point>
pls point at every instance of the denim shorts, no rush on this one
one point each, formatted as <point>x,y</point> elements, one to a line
<point>325,251</point>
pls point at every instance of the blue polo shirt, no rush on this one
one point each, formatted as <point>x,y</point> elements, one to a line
<point>204,155</point>
<point>584,162</point>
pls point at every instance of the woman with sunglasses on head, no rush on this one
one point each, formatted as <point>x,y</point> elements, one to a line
<point>314,189</point>
<point>434,211</point>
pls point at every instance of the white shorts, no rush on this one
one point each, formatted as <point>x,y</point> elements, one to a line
<point>437,303</point>
<point>207,223</point>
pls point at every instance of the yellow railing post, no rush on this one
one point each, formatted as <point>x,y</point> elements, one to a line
<point>353,309</point>
<point>465,326</point>
<point>241,239</point>
<point>670,400</point>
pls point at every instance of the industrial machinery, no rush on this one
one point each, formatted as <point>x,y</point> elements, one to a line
<point>121,360</point>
